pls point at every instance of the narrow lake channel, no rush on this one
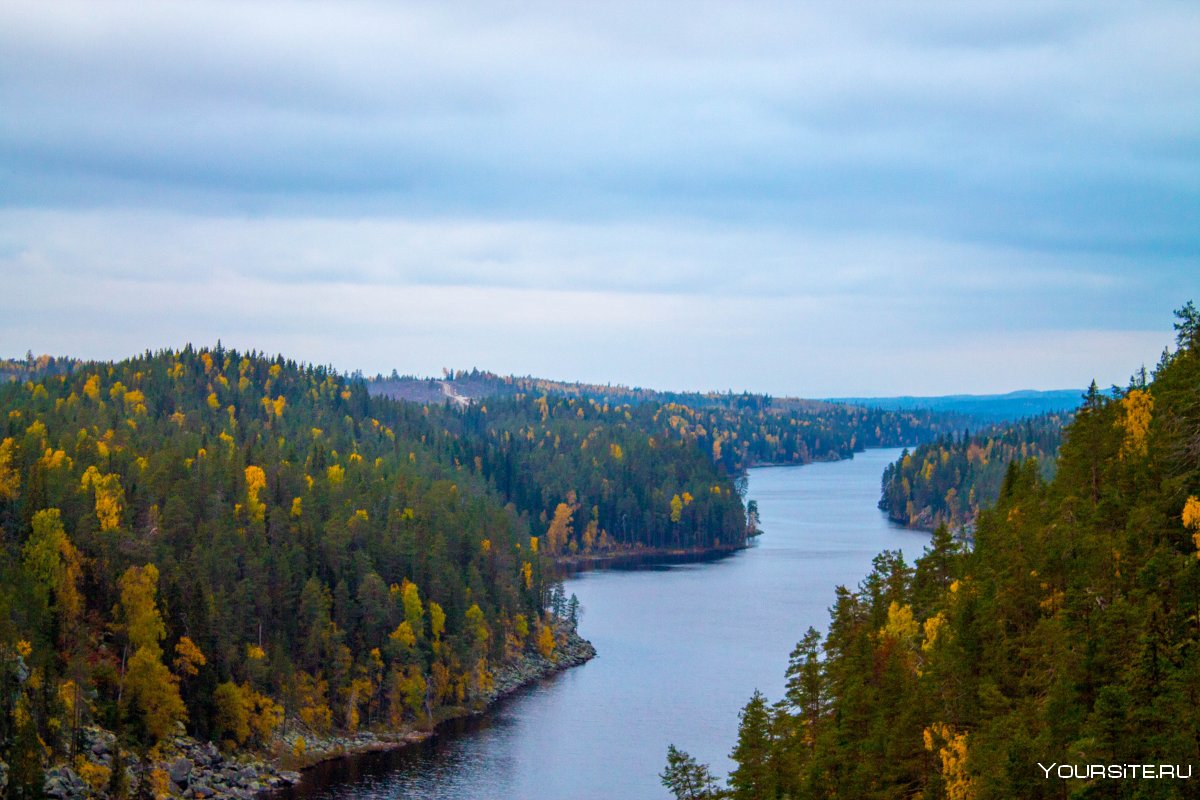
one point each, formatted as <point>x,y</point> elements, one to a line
<point>681,649</point>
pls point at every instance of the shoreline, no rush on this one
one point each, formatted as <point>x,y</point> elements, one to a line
<point>573,565</point>
<point>199,770</point>
<point>186,767</point>
<point>574,651</point>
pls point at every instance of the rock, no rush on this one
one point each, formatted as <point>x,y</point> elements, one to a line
<point>202,790</point>
<point>180,770</point>
<point>98,741</point>
<point>22,670</point>
<point>63,784</point>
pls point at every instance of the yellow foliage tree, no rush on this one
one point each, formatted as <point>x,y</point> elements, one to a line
<point>414,611</point>
<point>545,642</point>
<point>10,478</point>
<point>357,693</point>
<point>933,630</point>
<point>407,694</point>
<point>150,685</point>
<point>560,528</point>
<point>951,747</point>
<point>1138,408</point>
<point>311,702</point>
<point>110,497</point>
<point>155,691</point>
<point>1191,520</point>
<point>188,658</point>
<point>231,718</point>
<point>96,776</point>
<point>143,624</point>
<point>256,481</point>
<point>900,624</point>
<point>243,714</point>
<point>54,563</point>
<point>676,508</point>
<point>477,625</point>
<point>403,635</point>
<point>437,622</point>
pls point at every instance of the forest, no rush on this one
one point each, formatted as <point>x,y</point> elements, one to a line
<point>947,481</point>
<point>1069,633</point>
<point>241,546</point>
<point>235,543</point>
<point>739,430</point>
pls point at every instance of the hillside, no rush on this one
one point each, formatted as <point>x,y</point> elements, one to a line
<point>740,430</point>
<point>242,544</point>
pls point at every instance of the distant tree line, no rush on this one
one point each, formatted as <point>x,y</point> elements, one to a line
<point>948,480</point>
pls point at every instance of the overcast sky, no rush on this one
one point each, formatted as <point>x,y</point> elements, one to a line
<point>800,198</point>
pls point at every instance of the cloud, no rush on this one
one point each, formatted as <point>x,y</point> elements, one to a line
<point>888,178</point>
<point>648,305</point>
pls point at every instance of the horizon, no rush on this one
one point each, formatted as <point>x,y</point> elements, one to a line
<point>449,372</point>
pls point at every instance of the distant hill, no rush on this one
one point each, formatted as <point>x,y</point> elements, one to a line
<point>984,408</point>
<point>462,386</point>
<point>738,430</point>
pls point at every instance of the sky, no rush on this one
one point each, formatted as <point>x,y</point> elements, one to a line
<point>800,198</point>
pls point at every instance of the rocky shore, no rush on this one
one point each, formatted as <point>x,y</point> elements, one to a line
<point>645,555</point>
<point>575,650</point>
<point>183,767</point>
<point>571,651</point>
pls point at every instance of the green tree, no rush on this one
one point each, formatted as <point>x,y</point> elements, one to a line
<point>687,779</point>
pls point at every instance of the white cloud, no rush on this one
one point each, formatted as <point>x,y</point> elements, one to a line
<point>800,197</point>
<point>667,307</point>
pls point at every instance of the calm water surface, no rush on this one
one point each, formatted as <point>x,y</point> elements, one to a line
<point>681,649</point>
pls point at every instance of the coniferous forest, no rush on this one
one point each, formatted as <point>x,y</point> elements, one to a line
<point>264,554</point>
<point>202,538</point>
<point>1068,633</point>
<point>948,480</point>
<point>268,554</point>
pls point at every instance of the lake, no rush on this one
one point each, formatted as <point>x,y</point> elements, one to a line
<point>681,649</point>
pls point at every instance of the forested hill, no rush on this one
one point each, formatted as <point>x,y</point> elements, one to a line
<point>1068,634</point>
<point>738,430</point>
<point>982,409</point>
<point>219,539</point>
<point>947,481</point>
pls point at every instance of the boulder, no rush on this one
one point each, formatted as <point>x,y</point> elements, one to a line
<point>180,770</point>
<point>62,783</point>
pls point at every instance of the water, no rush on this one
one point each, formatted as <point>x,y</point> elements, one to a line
<point>681,649</point>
